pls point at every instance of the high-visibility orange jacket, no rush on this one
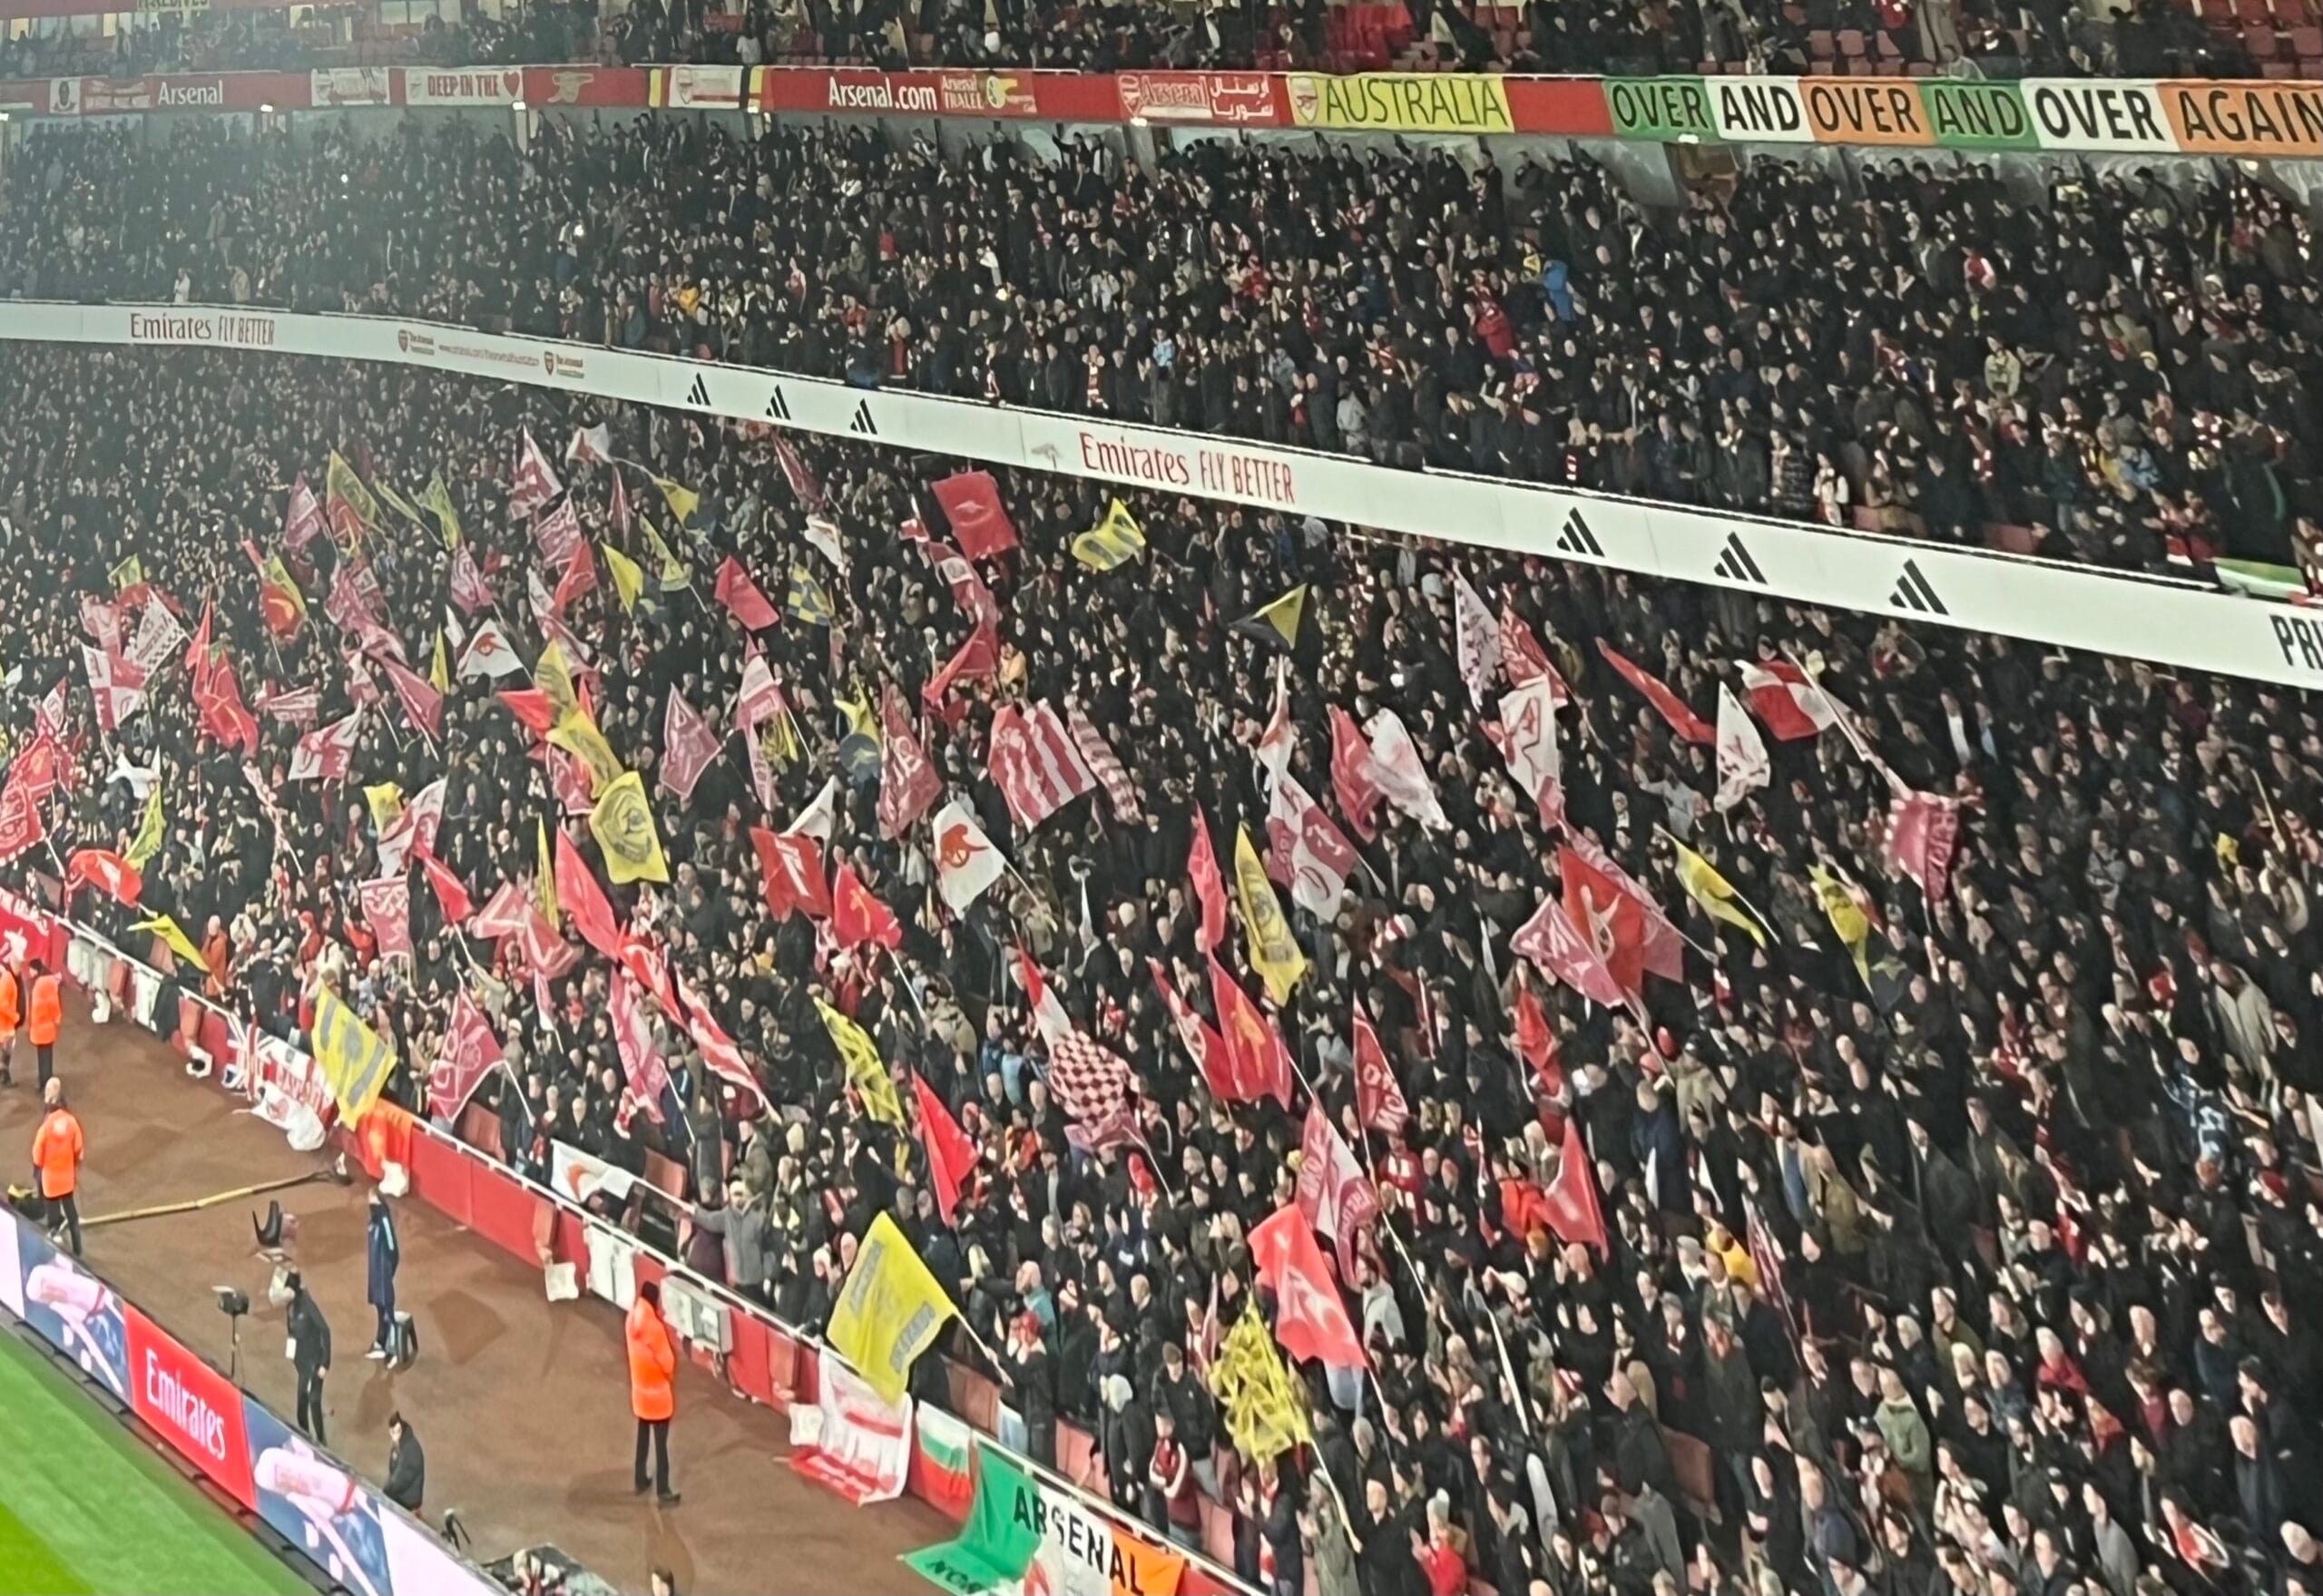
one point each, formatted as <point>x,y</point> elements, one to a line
<point>56,1152</point>
<point>12,1003</point>
<point>48,1009</point>
<point>652,1360</point>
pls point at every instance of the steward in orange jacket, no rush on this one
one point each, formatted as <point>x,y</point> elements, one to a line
<point>652,1364</point>
<point>47,1019</point>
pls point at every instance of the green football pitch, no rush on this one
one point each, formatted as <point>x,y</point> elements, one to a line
<point>87,1506</point>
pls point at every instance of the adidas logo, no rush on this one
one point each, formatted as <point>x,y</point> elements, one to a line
<point>699,394</point>
<point>777,408</point>
<point>1913,592</point>
<point>863,425</point>
<point>1735,564</point>
<point>1577,539</point>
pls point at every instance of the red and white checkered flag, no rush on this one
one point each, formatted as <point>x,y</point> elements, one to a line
<point>1120,791</point>
<point>1088,1079</point>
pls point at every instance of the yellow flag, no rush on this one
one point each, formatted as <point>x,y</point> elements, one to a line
<point>553,677</point>
<point>865,1070</point>
<point>890,1310</point>
<point>340,481</point>
<point>629,582</point>
<point>385,800</point>
<point>544,882</point>
<point>1274,952</point>
<point>1265,1412</point>
<point>398,503</point>
<point>1278,622</point>
<point>172,934</point>
<point>805,600</point>
<point>147,843</point>
<point>276,576</point>
<point>672,572</point>
<point>578,735</point>
<point>352,1058</point>
<point>437,502</point>
<point>681,499</point>
<point>1846,917</point>
<point>623,823</point>
<point>857,711</point>
<point>1714,892</point>
<point>1116,540</point>
<point>128,574</point>
<point>439,669</point>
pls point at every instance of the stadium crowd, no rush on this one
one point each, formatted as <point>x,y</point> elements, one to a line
<point>1957,1240</point>
<point>2121,374</point>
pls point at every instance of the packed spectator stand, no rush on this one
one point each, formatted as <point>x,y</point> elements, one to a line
<point>1974,1257</point>
<point>2118,372</point>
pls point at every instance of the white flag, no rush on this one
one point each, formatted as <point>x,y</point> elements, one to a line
<point>1397,770</point>
<point>579,1176</point>
<point>1478,637</point>
<point>489,654</point>
<point>819,819</point>
<point>824,535</point>
<point>1742,762</point>
<point>1528,725</point>
<point>966,864</point>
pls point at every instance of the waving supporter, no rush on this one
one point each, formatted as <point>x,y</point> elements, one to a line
<point>1473,1067</point>
<point>2116,376</point>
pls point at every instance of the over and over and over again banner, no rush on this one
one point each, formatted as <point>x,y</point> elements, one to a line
<point>2143,116</point>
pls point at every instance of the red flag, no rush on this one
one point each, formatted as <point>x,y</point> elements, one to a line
<point>1550,941</point>
<point>1608,918</point>
<point>1209,887</point>
<point>1665,943</point>
<point>719,1050</point>
<point>110,871</point>
<point>1672,709</point>
<point>1333,1192</point>
<point>117,685</point>
<point>531,705</point>
<point>1780,695</point>
<point>387,910</point>
<point>1309,1319</point>
<point>197,651</point>
<point>1200,1038</point>
<point>469,1053</point>
<point>794,472</point>
<point>736,591</point>
<point>1574,1211</point>
<point>977,658</point>
<point>20,825</point>
<point>504,914</point>
<point>1535,1041</point>
<point>858,918</point>
<point>968,588</point>
<point>907,779</point>
<point>327,753</point>
<point>1522,657</point>
<point>223,714</point>
<point>1378,1096</point>
<point>1923,828</point>
<point>451,893</point>
<point>1353,778</point>
<point>579,577</point>
<point>688,746</point>
<point>1258,1062</point>
<point>971,503</point>
<point>640,1064</point>
<point>418,697</point>
<point>951,1155</point>
<point>583,901</point>
<point>790,869</point>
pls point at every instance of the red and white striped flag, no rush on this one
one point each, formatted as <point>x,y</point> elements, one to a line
<point>1034,762</point>
<point>1120,791</point>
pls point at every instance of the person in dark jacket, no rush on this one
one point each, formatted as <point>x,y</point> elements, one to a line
<point>386,1254</point>
<point>310,1354</point>
<point>406,1466</point>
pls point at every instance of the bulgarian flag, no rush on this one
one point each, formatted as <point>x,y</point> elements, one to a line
<point>939,1461</point>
